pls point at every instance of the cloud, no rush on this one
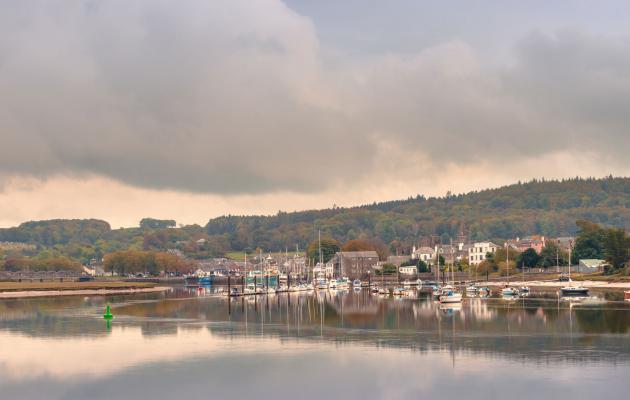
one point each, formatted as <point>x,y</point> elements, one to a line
<point>232,97</point>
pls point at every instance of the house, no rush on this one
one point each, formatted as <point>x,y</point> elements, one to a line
<point>408,270</point>
<point>535,242</point>
<point>590,265</point>
<point>477,252</point>
<point>423,253</point>
<point>354,264</point>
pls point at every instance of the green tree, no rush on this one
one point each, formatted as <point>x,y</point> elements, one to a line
<point>616,248</point>
<point>152,223</point>
<point>329,248</point>
<point>529,258</point>
<point>589,242</point>
<point>551,255</point>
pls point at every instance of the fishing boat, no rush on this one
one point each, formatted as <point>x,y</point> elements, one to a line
<point>309,286</point>
<point>321,283</point>
<point>384,291</point>
<point>332,284</point>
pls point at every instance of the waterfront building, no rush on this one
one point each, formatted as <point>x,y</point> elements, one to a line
<point>408,270</point>
<point>354,264</point>
<point>424,253</point>
<point>478,251</point>
<point>535,242</point>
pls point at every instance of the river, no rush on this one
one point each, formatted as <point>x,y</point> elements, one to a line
<point>195,343</point>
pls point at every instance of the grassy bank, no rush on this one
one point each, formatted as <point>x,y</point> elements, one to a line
<point>55,285</point>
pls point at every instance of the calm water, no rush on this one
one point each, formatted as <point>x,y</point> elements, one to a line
<point>195,344</point>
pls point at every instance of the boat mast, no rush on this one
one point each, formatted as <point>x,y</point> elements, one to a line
<point>570,245</point>
<point>319,244</point>
<point>507,263</point>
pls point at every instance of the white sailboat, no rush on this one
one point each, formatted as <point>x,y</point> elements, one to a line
<point>449,294</point>
<point>507,290</point>
<point>571,288</point>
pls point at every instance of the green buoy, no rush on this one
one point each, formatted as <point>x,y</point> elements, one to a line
<point>108,314</point>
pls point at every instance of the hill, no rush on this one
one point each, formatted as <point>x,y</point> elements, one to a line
<point>538,207</point>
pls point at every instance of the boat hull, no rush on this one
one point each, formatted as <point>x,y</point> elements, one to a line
<point>574,291</point>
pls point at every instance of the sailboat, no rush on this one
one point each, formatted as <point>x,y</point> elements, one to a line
<point>524,289</point>
<point>507,290</point>
<point>449,294</point>
<point>572,289</point>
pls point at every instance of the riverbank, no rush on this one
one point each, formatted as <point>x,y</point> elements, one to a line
<point>52,288</point>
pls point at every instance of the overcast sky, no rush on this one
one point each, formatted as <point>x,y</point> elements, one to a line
<point>123,109</point>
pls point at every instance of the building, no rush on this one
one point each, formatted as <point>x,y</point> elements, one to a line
<point>423,253</point>
<point>536,242</point>
<point>590,265</point>
<point>398,260</point>
<point>354,264</point>
<point>408,270</point>
<point>478,251</point>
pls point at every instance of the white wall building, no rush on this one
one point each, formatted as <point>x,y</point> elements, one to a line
<point>477,252</point>
<point>408,270</point>
<point>425,254</point>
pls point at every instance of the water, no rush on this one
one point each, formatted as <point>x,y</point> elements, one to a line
<point>197,344</point>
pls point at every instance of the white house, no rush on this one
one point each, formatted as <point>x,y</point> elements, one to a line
<point>425,254</point>
<point>408,270</point>
<point>477,252</point>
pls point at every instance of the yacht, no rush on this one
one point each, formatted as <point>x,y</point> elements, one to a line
<point>343,283</point>
<point>450,296</point>
<point>572,289</point>
<point>509,291</point>
<point>356,283</point>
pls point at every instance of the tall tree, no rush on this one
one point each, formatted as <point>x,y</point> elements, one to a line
<point>329,248</point>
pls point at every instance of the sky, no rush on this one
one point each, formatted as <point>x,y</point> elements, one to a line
<point>124,109</point>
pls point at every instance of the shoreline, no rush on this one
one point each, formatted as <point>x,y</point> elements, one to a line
<point>547,284</point>
<point>17,294</point>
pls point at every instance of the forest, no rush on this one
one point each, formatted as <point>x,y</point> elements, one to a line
<point>550,208</point>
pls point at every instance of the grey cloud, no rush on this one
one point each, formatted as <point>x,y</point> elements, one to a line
<point>231,97</point>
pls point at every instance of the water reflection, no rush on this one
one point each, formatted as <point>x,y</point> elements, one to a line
<point>64,346</point>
